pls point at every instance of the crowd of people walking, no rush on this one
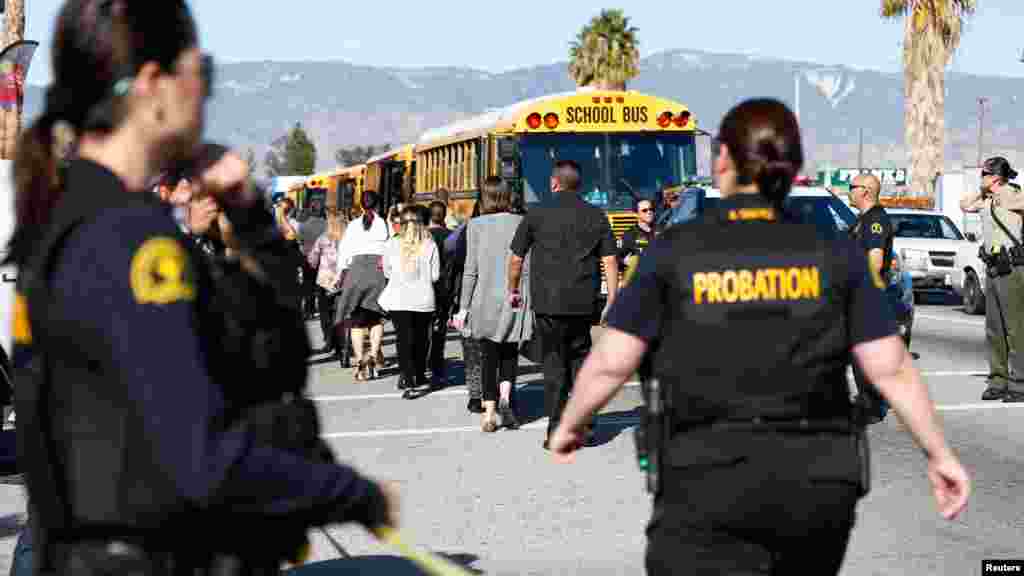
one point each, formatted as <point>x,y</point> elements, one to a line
<point>431,274</point>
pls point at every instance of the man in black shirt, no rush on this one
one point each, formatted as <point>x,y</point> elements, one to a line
<point>437,214</point>
<point>637,238</point>
<point>873,233</point>
<point>569,239</point>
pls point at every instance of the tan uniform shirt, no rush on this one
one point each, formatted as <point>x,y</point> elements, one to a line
<point>1007,203</point>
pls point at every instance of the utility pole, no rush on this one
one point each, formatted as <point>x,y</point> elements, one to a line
<point>796,90</point>
<point>981,128</point>
<point>860,151</point>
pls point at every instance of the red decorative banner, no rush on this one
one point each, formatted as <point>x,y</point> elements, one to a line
<point>14,63</point>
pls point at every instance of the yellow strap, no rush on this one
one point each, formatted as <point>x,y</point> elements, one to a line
<point>430,563</point>
<point>631,265</point>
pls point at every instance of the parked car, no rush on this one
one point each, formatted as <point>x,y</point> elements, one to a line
<point>969,276</point>
<point>928,243</point>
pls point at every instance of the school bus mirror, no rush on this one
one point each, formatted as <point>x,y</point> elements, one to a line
<point>509,169</point>
<point>508,148</point>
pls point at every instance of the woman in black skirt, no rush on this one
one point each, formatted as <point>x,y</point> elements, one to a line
<point>360,259</point>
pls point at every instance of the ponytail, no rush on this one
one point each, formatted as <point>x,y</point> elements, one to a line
<point>369,208</point>
<point>775,180</point>
<point>37,185</point>
<point>763,139</point>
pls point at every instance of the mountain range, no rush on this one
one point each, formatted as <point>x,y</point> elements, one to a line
<point>343,104</point>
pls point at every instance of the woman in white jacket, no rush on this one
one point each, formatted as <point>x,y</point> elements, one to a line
<point>412,265</point>
<point>361,272</point>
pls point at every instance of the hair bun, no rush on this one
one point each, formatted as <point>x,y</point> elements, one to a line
<point>776,179</point>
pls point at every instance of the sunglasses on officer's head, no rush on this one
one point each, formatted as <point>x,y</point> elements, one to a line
<point>206,69</point>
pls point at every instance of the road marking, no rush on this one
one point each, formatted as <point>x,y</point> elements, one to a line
<point>541,424</point>
<point>456,391</point>
<point>607,421</point>
<point>980,324</point>
<point>979,406</point>
<point>460,390</point>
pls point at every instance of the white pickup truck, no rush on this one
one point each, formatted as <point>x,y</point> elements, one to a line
<point>930,245</point>
<point>969,276</point>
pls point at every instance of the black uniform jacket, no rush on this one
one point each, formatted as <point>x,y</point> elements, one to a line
<point>143,431</point>
<point>751,316</point>
<point>874,231</point>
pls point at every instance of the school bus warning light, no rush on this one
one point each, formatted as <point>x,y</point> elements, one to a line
<point>682,120</point>
<point>665,119</point>
<point>551,120</point>
<point>533,120</point>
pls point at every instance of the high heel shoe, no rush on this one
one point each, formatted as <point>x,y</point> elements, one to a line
<point>371,368</point>
<point>489,421</point>
<point>508,416</point>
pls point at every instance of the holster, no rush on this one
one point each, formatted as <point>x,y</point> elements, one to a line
<point>1016,256</point>
<point>997,264</point>
<point>653,433</point>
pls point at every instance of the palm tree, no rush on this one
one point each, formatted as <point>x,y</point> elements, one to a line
<point>605,54</point>
<point>10,120</point>
<point>931,36</point>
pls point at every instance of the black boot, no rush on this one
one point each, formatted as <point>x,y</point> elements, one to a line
<point>994,394</point>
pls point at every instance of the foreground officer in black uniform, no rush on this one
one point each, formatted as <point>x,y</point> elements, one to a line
<point>750,336</point>
<point>139,458</point>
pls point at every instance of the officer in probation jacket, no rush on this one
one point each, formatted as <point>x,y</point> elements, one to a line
<point>759,460</point>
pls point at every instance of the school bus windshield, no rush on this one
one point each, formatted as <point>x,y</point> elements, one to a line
<point>616,167</point>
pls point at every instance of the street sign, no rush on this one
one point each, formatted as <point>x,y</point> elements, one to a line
<point>843,176</point>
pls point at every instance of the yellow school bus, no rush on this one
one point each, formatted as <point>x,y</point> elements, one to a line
<point>350,183</point>
<point>628,144</point>
<point>392,175</point>
<point>340,188</point>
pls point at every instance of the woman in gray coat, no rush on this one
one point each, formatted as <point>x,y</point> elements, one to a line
<point>485,310</point>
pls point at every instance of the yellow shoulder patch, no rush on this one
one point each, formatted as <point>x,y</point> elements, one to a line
<point>21,330</point>
<point>751,214</point>
<point>876,277</point>
<point>876,228</point>
<point>160,272</point>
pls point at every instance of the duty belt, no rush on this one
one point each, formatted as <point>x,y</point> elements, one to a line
<point>1000,262</point>
<point>836,425</point>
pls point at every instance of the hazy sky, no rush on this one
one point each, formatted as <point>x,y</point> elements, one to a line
<point>497,36</point>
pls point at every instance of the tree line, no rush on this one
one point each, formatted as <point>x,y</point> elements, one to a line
<point>295,154</point>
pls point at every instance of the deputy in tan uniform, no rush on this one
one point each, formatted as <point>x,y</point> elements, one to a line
<point>1001,205</point>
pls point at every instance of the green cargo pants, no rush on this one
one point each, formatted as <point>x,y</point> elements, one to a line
<point>1004,329</point>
